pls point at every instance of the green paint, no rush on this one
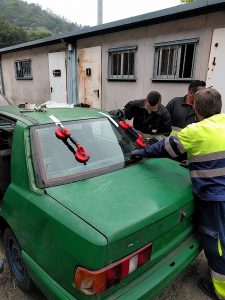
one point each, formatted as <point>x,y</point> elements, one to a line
<point>97,221</point>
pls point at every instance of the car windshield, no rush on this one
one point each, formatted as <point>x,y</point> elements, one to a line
<point>109,148</point>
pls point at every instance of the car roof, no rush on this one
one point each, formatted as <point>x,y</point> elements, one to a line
<point>40,117</point>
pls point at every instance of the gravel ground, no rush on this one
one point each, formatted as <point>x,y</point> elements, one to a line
<point>184,288</point>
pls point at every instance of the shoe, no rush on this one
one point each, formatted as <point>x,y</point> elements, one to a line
<point>207,287</point>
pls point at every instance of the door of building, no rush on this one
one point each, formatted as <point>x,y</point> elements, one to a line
<point>89,72</point>
<point>216,66</point>
<point>57,76</point>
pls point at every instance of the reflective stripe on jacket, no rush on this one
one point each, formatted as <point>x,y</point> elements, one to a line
<point>219,284</point>
<point>204,143</point>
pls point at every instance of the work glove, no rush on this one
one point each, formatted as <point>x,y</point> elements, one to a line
<point>118,113</point>
<point>150,141</point>
<point>135,153</point>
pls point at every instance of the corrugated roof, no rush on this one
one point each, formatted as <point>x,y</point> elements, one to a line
<point>181,11</point>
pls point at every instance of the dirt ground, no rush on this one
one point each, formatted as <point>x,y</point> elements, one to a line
<point>184,288</point>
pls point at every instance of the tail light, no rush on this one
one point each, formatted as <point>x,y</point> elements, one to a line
<point>97,282</point>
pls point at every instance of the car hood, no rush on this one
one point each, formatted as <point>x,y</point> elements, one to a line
<point>123,202</point>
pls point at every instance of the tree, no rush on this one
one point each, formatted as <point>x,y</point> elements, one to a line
<point>38,33</point>
<point>11,34</point>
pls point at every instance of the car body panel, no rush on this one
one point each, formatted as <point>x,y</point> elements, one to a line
<point>146,286</point>
<point>135,195</point>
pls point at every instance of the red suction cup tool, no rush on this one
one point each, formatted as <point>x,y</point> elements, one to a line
<point>62,133</point>
<point>140,141</point>
<point>82,155</point>
<point>124,125</point>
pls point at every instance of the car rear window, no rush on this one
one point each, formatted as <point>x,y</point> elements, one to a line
<point>55,164</point>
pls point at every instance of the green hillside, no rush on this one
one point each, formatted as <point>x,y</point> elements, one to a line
<point>22,22</point>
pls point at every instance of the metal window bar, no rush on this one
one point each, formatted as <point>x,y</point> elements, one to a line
<point>168,62</point>
<point>119,58</point>
<point>176,62</point>
<point>184,61</point>
<point>128,63</point>
<point>192,65</point>
<point>121,65</point>
<point>160,62</point>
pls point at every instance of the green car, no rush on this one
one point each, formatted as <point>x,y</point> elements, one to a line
<point>81,218</point>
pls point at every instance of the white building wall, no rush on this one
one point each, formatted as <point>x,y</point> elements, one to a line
<point>117,93</point>
<point>35,90</point>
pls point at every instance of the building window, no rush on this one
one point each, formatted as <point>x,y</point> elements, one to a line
<point>175,60</point>
<point>121,64</point>
<point>23,69</point>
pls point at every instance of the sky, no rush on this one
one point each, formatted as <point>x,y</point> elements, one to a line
<point>84,12</point>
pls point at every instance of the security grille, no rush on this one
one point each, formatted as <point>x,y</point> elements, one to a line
<point>175,60</point>
<point>122,63</point>
<point>23,69</point>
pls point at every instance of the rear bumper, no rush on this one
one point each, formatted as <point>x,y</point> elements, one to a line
<point>146,286</point>
<point>153,281</point>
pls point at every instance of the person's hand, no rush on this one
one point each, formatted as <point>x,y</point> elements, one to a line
<point>118,113</point>
<point>135,153</point>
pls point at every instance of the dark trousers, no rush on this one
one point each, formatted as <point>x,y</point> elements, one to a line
<point>211,225</point>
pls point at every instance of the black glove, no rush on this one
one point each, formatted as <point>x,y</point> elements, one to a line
<point>135,153</point>
<point>118,113</point>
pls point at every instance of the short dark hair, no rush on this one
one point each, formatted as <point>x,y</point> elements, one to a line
<point>208,102</point>
<point>193,85</point>
<point>153,98</point>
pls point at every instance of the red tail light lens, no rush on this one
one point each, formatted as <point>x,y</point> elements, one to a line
<point>96,282</point>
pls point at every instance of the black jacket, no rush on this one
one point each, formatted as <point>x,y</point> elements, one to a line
<point>151,123</point>
<point>182,114</point>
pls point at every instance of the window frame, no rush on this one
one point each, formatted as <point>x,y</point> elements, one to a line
<point>177,45</point>
<point>21,62</point>
<point>121,51</point>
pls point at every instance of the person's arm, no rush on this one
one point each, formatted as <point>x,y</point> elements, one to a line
<point>169,147</point>
<point>126,113</point>
<point>166,124</point>
<point>129,110</point>
<point>170,108</point>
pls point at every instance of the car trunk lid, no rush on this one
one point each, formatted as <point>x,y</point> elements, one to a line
<point>132,206</point>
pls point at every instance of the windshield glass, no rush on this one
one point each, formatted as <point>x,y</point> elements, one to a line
<point>109,148</point>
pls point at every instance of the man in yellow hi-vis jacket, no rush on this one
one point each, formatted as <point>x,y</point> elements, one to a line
<point>204,143</point>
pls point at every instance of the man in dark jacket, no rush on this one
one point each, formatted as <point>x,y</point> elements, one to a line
<point>181,108</point>
<point>149,116</point>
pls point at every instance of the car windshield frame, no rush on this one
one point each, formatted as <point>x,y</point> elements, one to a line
<point>41,178</point>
